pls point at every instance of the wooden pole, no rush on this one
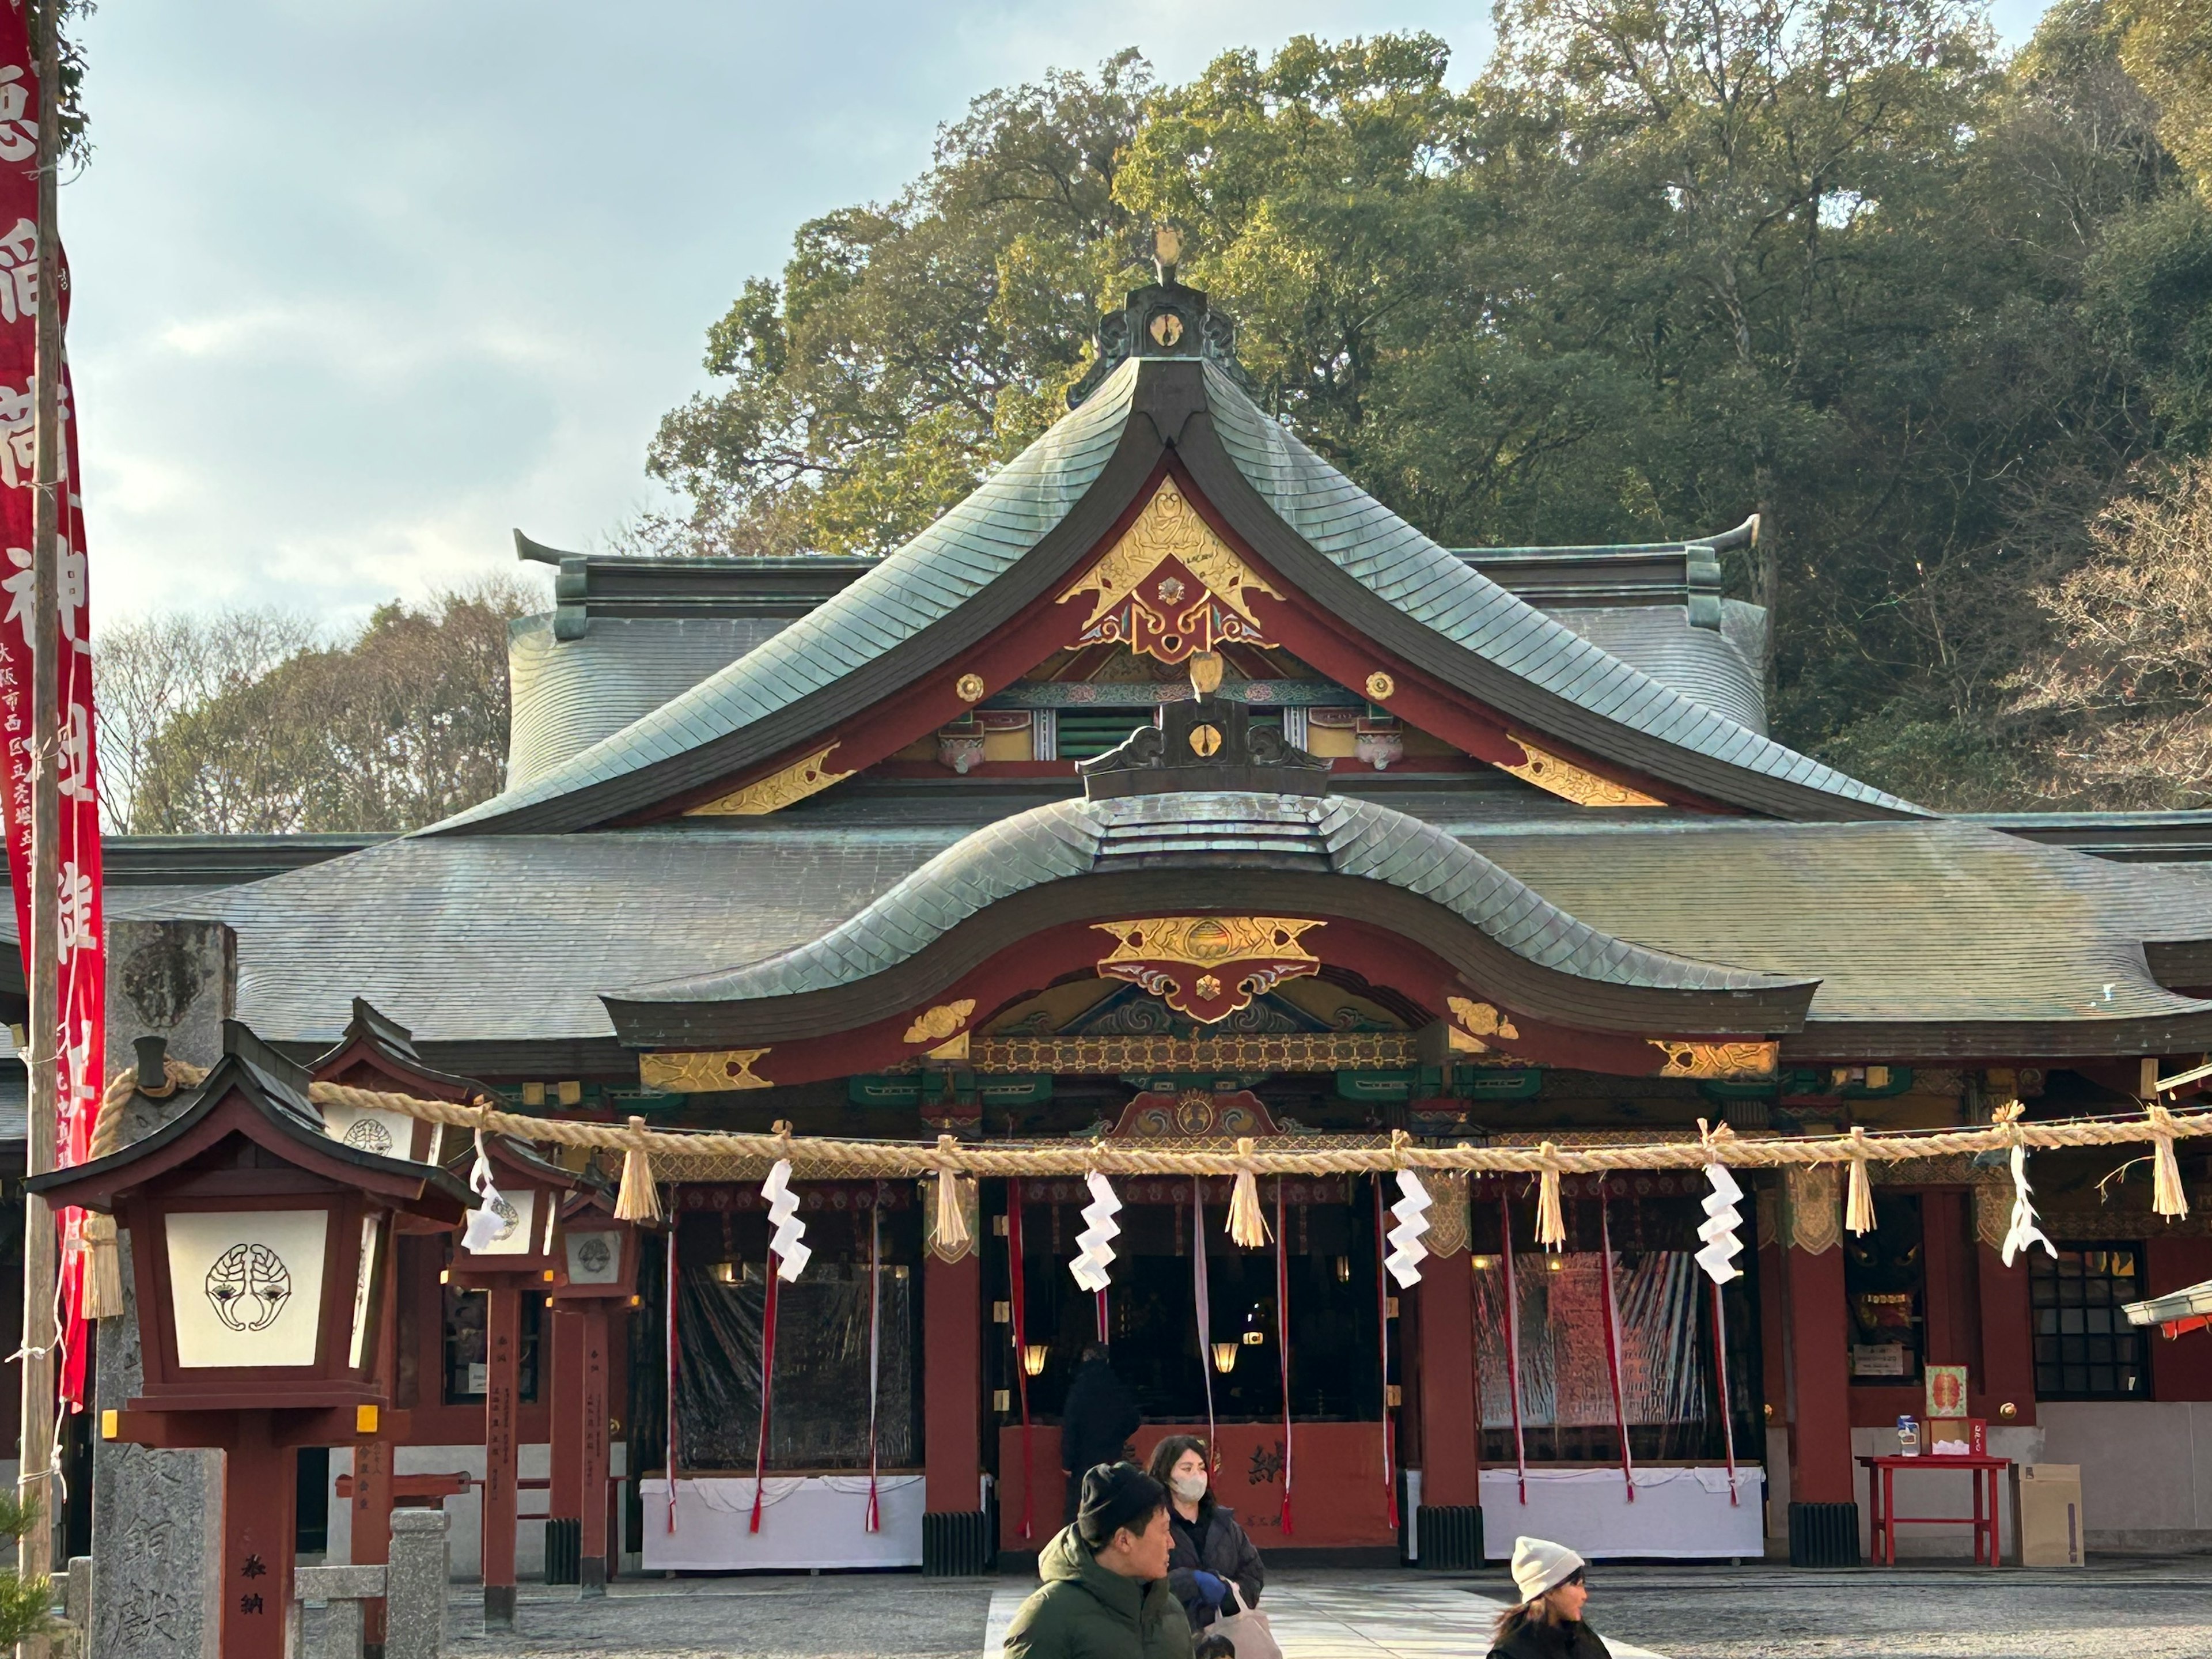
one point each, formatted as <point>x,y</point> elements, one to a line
<point>260,1519</point>
<point>504,1352</point>
<point>35,1553</point>
<point>592,1580</point>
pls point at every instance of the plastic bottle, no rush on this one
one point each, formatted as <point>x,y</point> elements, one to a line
<point>1908,1437</point>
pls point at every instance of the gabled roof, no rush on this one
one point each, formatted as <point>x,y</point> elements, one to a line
<point>1001,552</point>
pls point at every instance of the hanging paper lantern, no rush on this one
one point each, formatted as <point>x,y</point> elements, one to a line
<point>1096,1242</point>
<point>787,1241</point>
<point>1722,1245</point>
<point>1412,1213</point>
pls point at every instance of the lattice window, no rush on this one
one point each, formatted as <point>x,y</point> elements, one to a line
<point>2085,1349</point>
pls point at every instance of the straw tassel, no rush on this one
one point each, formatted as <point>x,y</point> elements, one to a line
<point>1550,1223</point>
<point>2167,1198</point>
<point>638,1201</point>
<point>952,1233</point>
<point>1247,1226</point>
<point>1858,1206</point>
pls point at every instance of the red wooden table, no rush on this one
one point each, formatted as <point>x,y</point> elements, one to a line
<point>1981,1475</point>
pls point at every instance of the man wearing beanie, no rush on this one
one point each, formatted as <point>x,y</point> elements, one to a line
<point>1105,1594</point>
<point>1547,1622</point>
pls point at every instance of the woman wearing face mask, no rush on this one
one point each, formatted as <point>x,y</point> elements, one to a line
<point>1211,1553</point>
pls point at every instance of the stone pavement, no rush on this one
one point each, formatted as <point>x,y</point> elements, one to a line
<point>2144,1609</point>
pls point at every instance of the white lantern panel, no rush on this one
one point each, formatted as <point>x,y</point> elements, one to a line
<point>516,1211</point>
<point>387,1134</point>
<point>371,1232</point>
<point>594,1258</point>
<point>246,1287</point>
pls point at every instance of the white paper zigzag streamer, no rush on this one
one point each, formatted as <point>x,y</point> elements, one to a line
<point>1722,1245</point>
<point>2023,1232</point>
<point>788,1240</point>
<point>1411,1211</point>
<point>1096,1242</point>
<point>494,1219</point>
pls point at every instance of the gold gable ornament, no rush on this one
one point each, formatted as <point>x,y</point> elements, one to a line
<point>1170,588</point>
<point>1569,781</point>
<point>704,1072</point>
<point>1472,1022</point>
<point>1740,1060</point>
<point>776,791</point>
<point>1208,968</point>
<point>940,1022</point>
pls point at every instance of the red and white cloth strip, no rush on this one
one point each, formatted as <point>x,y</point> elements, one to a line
<point>1383,1329</point>
<point>1283,1343</point>
<point>1512,1340</point>
<point>1202,1301</point>
<point>1613,1342</point>
<point>78,947</point>
<point>875,1517</point>
<point>1019,1325</point>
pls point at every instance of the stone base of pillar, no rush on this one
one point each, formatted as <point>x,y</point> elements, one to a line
<point>592,1578</point>
<point>958,1546</point>
<point>1824,1534</point>
<point>1450,1536</point>
<point>498,1607</point>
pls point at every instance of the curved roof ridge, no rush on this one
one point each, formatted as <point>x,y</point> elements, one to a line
<point>922,580</point>
<point>1066,839</point>
<point>1435,586</point>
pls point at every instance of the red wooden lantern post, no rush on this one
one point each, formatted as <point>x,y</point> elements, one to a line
<point>521,1256</point>
<point>596,1273</point>
<point>261,1251</point>
<point>377,1053</point>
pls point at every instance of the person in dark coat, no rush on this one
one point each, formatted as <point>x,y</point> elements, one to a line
<point>1210,1552</point>
<point>1105,1593</point>
<point>1548,1622</point>
<point>1096,1422</point>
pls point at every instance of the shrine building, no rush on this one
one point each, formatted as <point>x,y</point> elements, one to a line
<point>1172,792</point>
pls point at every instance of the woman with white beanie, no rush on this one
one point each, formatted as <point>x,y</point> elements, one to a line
<point>1548,1622</point>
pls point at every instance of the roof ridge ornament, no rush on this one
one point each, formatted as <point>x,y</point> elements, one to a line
<point>1163,319</point>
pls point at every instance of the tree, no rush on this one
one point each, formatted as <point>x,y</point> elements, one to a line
<point>2168,49</point>
<point>403,726</point>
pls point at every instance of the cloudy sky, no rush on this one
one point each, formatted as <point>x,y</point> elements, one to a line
<point>359,287</point>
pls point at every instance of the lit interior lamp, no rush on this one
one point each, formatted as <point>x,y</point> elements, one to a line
<point>1224,1357</point>
<point>1483,1264</point>
<point>1344,1270</point>
<point>1033,1359</point>
<point>1556,1264</point>
<point>724,1272</point>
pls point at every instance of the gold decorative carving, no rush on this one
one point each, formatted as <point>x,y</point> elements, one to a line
<point>1236,958</point>
<point>1814,1221</point>
<point>1380,688</point>
<point>1471,1022</point>
<point>776,791</point>
<point>1205,740</point>
<point>1193,1115</point>
<point>940,1022</point>
<point>953,1048</point>
<point>1448,1233</point>
<point>967,1200</point>
<point>969,688</point>
<point>1323,1051</point>
<point>1140,603</point>
<point>1716,1059</point>
<point>702,1071</point>
<point>1992,1213</point>
<point>1571,783</point>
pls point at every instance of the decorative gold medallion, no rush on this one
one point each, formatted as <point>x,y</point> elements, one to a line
<point>1472,1022</point>
<point>969,686</point>
<point>940,1022</point>
<point>1206,739</point>
<point>703,1071</point>
<point>1234,959</point>
<point>1571,783</point>
<point>1170,550</point>
<point>1380,688</point>
<point>1165,328</point>
<point>776,791</point>
<point>1716,1059</point>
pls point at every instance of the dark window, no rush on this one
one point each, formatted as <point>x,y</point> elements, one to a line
<point>2085,1349</point>
<point>464,1346</point>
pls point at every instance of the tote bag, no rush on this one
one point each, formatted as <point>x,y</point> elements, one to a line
<point>1248,1631</point>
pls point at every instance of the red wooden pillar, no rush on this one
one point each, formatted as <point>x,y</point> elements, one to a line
<point>503,1357</point>
<point>1451,1452</point>
<point>373,1461</point>
<point>595,1433</point>
<point>259,1500</point>
<point>2007,1377</point>
<point>1823,1505</point>
<point>953,1383</point>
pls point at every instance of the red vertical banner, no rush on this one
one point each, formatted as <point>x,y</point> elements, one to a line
<point>79,944</point>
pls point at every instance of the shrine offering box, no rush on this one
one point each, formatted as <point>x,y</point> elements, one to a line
<point>2046,1506</point>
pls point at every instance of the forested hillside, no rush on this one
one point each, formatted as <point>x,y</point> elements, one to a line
<point>1944,318</point>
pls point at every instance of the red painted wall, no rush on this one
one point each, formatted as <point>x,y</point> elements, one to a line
<point>1338,1500</point>
<point>2181,1369</point>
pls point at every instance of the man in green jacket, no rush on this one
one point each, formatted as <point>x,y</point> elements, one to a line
<point>1105,1594</point>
